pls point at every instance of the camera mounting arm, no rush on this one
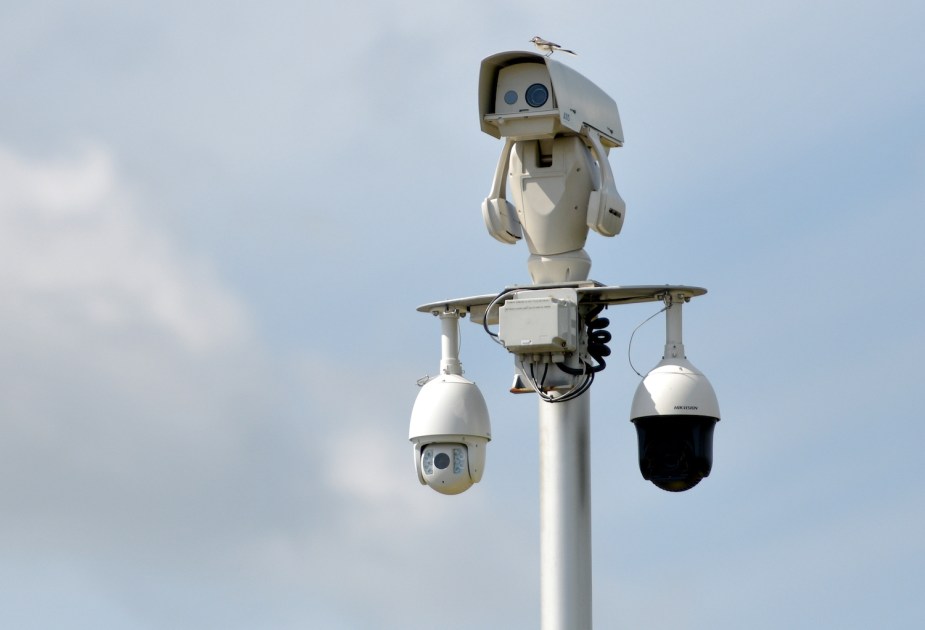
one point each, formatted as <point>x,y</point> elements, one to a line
<point>499,214</point>
<point>606,209</point>
<point>674,345</point>
<point>449,342</point>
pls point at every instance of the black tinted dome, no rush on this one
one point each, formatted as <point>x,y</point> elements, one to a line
<point>675,451</point>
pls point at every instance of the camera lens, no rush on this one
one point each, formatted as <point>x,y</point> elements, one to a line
<point>537,95</point>
<point>442,460</point>
<point>510,97</point>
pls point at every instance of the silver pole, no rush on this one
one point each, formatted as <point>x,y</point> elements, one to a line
<point>565,514</point>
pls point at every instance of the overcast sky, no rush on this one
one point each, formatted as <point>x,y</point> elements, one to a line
<point>217,219</point>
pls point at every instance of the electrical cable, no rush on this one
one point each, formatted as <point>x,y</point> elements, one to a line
<point>598,338</point>
<point>597,349</point>
<point>629,346</point>
<point>571,394</point>
<point>494,335</point>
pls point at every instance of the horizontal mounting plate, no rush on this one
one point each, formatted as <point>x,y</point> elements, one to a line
<point>589,292</point>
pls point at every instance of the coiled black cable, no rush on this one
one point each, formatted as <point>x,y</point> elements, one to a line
<point>598,338</point>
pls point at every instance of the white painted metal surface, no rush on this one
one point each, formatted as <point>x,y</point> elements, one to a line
<point>565,514</point>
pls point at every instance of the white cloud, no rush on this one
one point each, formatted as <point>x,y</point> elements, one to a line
<point>75,251</point>
<point>130,386</point>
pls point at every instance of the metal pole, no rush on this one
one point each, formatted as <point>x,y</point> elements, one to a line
<point>565,514</point>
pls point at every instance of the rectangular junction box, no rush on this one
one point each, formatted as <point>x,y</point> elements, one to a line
<point>538,325</point>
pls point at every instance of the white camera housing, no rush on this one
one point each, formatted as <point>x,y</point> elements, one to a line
<point>573,104</point>
<point>450,430</point>
<point>559,128</point>
<point>675,388</point>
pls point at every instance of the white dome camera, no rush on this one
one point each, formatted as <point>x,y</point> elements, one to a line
<point>450,430</point>
<point>675,411</point>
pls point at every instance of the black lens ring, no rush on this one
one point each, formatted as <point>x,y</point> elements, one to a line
<point>441,460</point>
<point>536,95</point>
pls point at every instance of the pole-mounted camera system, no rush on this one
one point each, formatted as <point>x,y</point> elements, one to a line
<point>558,129</point>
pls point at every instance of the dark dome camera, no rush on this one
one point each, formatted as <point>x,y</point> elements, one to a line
<point>675,411</point>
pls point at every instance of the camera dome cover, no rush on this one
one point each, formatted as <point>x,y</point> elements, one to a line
<point>450,405</point>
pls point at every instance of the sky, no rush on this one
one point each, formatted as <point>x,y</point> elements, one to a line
<point>217,220</point>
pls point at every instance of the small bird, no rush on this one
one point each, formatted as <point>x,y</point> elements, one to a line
<point>548,47</point>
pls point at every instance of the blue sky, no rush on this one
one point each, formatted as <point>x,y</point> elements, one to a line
<point>217,219</point>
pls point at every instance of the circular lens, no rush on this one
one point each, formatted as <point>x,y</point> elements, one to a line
<point>537,95</point>
<point>510,97</point>
<point>442,460</point>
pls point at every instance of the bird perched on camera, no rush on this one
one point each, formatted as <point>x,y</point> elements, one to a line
<point>549,47</point>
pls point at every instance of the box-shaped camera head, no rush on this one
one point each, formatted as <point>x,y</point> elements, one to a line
<point>526,96</point>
